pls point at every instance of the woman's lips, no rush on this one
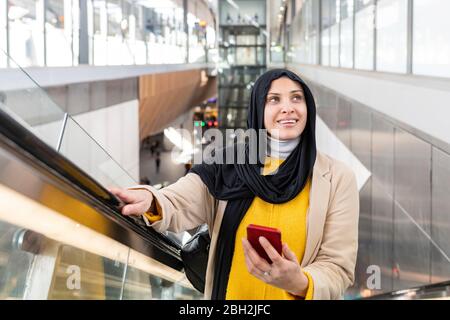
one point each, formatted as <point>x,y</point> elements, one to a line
<point>288,123</point>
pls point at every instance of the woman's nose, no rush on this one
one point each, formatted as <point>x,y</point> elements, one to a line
<point>287,108</point>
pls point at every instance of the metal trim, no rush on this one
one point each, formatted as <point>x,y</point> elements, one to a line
<point>124,276</point>
<point>61,134</point>
<point>375,34</point>
<point>44,30</point>
<point>410,37</point>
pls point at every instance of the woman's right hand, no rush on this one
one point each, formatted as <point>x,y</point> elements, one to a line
<point>137,202</point>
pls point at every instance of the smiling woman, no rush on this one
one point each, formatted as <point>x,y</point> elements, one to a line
<point>311,199</point>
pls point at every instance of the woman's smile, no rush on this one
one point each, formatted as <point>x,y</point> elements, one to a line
<point>287,123</point>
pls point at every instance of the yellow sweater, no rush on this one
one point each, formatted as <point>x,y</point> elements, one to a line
<point>290,219</point>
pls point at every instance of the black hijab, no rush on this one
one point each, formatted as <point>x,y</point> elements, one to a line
<point>239,184</point>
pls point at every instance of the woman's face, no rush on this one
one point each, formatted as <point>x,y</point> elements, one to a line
<point>285,113</point>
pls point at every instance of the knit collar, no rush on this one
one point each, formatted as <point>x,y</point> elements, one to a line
<point>281,149</point>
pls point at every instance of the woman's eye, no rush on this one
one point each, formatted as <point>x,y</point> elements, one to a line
<point>298,98</point>
<point>273,99</point>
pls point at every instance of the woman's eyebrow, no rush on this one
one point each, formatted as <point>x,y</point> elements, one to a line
<point>278,94</point>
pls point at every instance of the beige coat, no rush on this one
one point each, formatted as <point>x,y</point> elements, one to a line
<point>332,223</point>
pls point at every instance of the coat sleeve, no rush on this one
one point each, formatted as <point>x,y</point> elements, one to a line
<point>183,205</point>
<point>334,266</point>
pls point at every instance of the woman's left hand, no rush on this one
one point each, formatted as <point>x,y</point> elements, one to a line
<point>284,272</point>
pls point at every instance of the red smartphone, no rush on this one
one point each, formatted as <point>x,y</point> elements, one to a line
<point>271,234</point>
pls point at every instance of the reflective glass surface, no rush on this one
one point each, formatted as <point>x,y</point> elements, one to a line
<point>29,104</point>
<point>80,148</point>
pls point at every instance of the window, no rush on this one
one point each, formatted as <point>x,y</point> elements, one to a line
<point>61,28</point>
<point>119,32</point>
<point>99,26</point>
<point>114,18</point>
<point>392,20</point>
<point>325,38</point>
<point>334,45</point>
<point>431,43</point>
<point>346,52</point>
<point>364,34</point>
<point>196,36</point>
<point>116,51</point>
<point>26,32</point>
<point>166,43</point>
<point>304,38</point>
<point>137,33</point>
<point>334,32</point>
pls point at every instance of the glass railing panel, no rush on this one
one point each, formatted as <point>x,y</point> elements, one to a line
<point>23,99</point>
<point>85,152</point>
<point>149,280</point>
<point>79,274</point>
<point>29,104</point>
<point>14,262</point>
<point>140,285</point>
<point>33,266</point>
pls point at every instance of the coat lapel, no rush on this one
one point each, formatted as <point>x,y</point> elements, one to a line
<point>318,207</point>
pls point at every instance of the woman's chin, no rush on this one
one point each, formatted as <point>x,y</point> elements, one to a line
<point>285,134</point>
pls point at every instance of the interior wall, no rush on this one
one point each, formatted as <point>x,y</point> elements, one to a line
<point>163,97</point>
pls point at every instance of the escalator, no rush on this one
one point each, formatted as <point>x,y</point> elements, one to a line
<point>52,211</point>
